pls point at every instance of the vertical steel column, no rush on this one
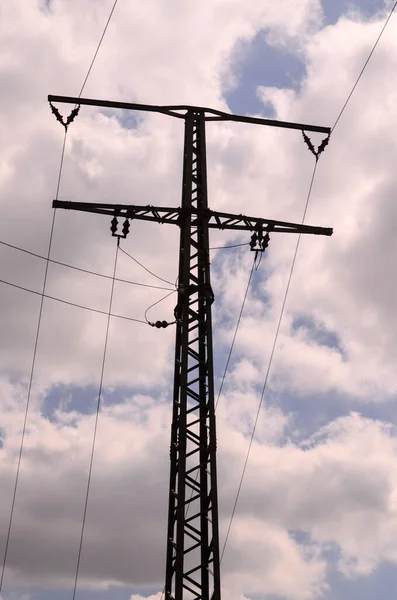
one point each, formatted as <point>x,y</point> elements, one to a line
<point>192,569</point>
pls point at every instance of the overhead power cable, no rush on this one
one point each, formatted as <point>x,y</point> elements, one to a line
<point>235,334</point>
<point>155,304</point>
<point>57,262</point>
<point>99,45</point>
<point>96,424</point>
<point>39,322</point>
<point>289,282</point>
<point>365,66</point>
<point>269,366</point>
<point>101,312</point>
<point>145,268</point>
<point>226,247</point>
<point>25,419</point>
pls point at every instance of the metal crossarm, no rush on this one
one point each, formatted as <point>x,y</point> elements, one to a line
<point>180,112</point>
<point>215,219</point>
<point>192,558</point>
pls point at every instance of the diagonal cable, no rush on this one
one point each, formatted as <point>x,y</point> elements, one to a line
<point>39,324</point>
<point>145,268</point>
<point>62,264</point>
<point>95,310</point>
<point>365,66</point>
<point>235,335</point>
<point>31,378</point>
<point>98,47</point>
<point>155,304</point>
<point>289,282</point>
<point>269,366</point>
<point>227,247</point>
<point>95,425</point>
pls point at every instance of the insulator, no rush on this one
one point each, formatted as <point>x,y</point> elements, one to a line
<point>113,227</point>
<point>253,241</point>
<point>161,324</point>
<point>126,227</point>
<point>265,241</point>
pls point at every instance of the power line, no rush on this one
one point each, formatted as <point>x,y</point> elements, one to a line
<point>101,312</point>
<point>235,334</point>
<point>57,262</point>
<point>269,365</point>
<point>365,66</point>
<point>96,423</point>
<point>31,374</point>
<point>145,268</point>
<point>226,247</point>
<point>158,302</point>
<point>40,319</point>
<point>289,282</point>
<point>97,50</point>
<point>29,392</point>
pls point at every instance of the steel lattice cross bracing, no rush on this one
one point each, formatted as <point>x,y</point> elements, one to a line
<point>193,538</point>
<point>192,560</point>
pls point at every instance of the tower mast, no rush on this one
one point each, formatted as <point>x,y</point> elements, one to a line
<point>192,557</point>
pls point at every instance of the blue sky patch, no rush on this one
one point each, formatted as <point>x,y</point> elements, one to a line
<point>381,584</point>
<point>115,592</point>
<point>80,399</point>
<point>83,399</point>
<point>334,9</point>
<point>259,63</point>
<point>318,333</point>
<point>46,5</point>
<point>129,119</point>
<point>311,412</point>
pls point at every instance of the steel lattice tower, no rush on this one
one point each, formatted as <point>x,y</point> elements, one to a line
<point>192,560</point>
<point>193,538</point>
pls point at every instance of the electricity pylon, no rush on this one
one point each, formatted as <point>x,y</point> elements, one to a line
<point>192,561</point>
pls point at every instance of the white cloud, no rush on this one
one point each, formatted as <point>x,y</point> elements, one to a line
<point>339,489</point>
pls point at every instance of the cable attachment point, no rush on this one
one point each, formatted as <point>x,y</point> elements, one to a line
<point>259,242</point>
<point>204,289</point>
<point>114,226</point>
<point>59,117</point>
<point>320,148</point>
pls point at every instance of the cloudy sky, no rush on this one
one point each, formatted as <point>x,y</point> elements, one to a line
<point>317,516</point>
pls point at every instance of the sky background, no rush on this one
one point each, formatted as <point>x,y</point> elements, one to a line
<point>317,516</point>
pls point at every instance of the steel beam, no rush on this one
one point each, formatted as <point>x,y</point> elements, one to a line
<point>180,111</point>
<point>173,216</point>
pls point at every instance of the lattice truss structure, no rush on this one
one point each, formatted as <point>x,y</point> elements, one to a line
<point>192,560</point>
<point>193,538</point>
